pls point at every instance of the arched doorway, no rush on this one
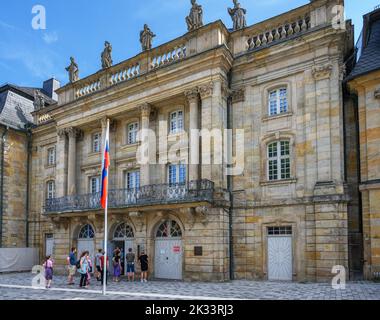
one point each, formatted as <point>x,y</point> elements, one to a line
<point>123,237</point>
<point>86,240</point>
<point>168,251</point>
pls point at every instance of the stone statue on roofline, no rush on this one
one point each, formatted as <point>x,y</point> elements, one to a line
<point>146,38</point>
<point>238,16</point>
<point>107,56</point>
<point>73,70</point>
<point>195,19</point>
<point>39,101</point>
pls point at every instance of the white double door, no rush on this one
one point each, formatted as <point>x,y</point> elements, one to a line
<point>168,259</point>
<point>280,258</point>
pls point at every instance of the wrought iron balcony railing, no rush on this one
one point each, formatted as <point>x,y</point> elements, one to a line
<point>193,191</point>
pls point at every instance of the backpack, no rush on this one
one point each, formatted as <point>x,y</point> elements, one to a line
<point>78,264</point>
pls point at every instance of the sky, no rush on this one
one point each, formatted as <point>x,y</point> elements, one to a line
<point>79,28</point>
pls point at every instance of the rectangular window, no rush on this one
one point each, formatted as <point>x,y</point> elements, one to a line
<point>133,129</point>
<point>279,161</point>
<point>279,231</point>
<point>132,180</point>
<point>95,184</point>
<point>51,156</point>
<point>177,173</point>
<point>176,122</point>
<point>51,190</point>
<point>278,101</point>
<point>96,142</point>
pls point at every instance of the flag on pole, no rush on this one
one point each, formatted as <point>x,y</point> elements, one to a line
<point>105,169</point>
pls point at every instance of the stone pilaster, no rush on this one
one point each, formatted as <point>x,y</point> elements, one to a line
<point>193,98</point>
<point>72,155</point>
<point>322,75</point>
<point>61,175</point>
<point>145,110</point>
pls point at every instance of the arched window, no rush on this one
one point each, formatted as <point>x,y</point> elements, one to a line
<point>278,160</point>
<point>123,231</point>
<point>169,229</point>
<point>87,232</point>
<point>50,189</point>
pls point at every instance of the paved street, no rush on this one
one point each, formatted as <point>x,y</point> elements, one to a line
<point>156,290</point>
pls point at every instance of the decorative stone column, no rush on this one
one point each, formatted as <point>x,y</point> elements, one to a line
<point>61,175</point>
<point>145,109</point>
<point>193,98</point>
<point>72,154</point>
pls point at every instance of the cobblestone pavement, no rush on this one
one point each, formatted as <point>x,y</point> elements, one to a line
<point>167,290</point>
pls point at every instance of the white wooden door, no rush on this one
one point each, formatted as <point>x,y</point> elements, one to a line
<point>49,245</point>
<point>168,259</point>
<point>280,258</point>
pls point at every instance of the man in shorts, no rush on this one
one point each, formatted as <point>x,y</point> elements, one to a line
<point>71,265</point>
<point>130,257</point>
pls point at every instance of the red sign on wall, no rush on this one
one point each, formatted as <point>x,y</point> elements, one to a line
<point>177,249</point>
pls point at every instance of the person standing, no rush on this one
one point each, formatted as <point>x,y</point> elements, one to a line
<point>89,271</point>
<point>97,264</point>
<point>71,265</point>
<point>102,268</point>
<point>144,266</point>
<point>130,257</point>
<point>83,270</point>
<point>48,265</point>
<point>116,266</point>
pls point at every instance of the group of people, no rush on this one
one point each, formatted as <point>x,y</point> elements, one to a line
<point>84,265</point>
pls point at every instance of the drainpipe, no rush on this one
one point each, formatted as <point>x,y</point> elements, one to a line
<point>29,147</point>
<point>2,184</point>
<point>229,184</point>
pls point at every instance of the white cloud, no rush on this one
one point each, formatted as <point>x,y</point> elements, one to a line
<point>50,37</point>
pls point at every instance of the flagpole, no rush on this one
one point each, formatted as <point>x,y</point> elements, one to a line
<point>105,222</point>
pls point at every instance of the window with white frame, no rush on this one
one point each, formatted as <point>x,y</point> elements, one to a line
<point>278,101</point>
<point>279,160</point>
<point>95,184</point>
<point>176,173</point>
<point>132,130</point>
<point>51,156</point>
<point>176,121</point>
<point>96,142</point>
<point>132,179</point>
<point>50,192</point>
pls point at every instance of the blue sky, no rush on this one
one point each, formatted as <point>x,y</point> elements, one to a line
<point>79,28</point>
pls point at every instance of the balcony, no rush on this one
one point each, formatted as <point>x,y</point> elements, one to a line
<point>159,194</point>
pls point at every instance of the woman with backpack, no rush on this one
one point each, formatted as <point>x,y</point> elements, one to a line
<point>83,269</point>
<point>48,265</point>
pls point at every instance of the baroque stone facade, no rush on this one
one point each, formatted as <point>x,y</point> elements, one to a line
<point>283,216</point>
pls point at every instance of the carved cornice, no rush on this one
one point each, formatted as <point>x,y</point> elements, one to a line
<point>238,95</point>
<point>192,95</point>
<point>226,91</point>
<point>321,72</point>
<point>103,123</point>
<point>145,109</point>
<point>74,133</point>
<point>206,90</point>
<point>61,133</point>
<point>377,93</point>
